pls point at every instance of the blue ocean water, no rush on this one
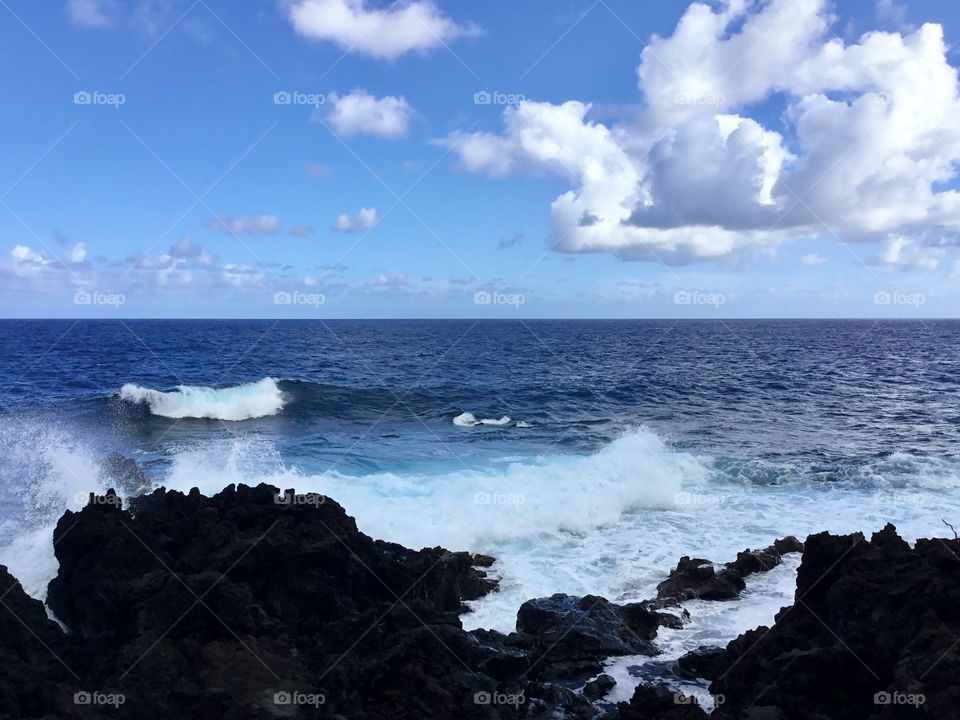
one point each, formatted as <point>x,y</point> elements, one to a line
<point>610,448</point>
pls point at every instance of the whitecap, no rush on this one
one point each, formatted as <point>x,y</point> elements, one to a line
<point>467,419</point>
<point>240,402</point>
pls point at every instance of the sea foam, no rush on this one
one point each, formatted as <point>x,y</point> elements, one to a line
<point>240,402</point>
<point>467,419</point>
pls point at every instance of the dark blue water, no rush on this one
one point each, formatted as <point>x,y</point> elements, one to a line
<point>374,395</point>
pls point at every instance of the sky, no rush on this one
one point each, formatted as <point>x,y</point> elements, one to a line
<point>571,159</point>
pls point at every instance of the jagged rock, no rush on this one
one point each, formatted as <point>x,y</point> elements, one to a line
<point>573,635</point>
<point>660,703</point>
<point>33,680</point>
<point>701,579</point>
<point>703,662</point>
<point>869,637</point>
<point>254,604</point>
<point>599,687</point>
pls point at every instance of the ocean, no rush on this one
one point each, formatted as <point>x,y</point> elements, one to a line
<point>586,456</point>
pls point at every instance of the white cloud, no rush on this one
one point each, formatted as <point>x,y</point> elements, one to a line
<point>363,220</point>
<point>388,33</point>
<point>27,261</point>
<point>362,113</point>
<point>77,253</point>
<point>904,252</point>
<point>812,259</point>
<point>867,145</point>
<point>90,13</point>
<point>261,225</point>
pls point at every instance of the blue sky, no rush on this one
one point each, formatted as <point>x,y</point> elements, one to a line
<point>152,170</point>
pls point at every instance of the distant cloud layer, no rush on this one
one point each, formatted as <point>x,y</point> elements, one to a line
<point>385,33</point>
<point>866,147</point>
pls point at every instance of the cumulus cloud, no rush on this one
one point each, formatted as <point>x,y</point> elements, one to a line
<point>866,147</point>
<point>261,225</point>
<point>359,112</point>
<point>363,220</point>
<point>90,13</point>
<point>386,33</point>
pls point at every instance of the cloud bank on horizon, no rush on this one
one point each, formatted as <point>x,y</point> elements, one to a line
<point>867,140</point>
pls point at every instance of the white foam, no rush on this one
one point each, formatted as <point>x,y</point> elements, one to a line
<point>612,523</point>
<point>240,402</point>
<point>51,471</point>
<point>713,624</point>
<point>470,420</point>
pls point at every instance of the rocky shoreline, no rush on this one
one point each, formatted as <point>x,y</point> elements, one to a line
<point>260,604</point>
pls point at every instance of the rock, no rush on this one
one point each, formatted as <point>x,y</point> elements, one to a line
<point>788,544</point>
<point>869,637</point>
<point>703,662</point>
<point>598,687</point>
<point>573,635</point>
<point>705,580</point>
<point>34,663</point>
<point>197,605</point>
<point>701,579</point>
<point>754,561</point>
<point>660,703</point>
<point>256,604</point>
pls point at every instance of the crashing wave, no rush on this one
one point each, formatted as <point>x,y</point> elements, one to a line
<point>240,402</point>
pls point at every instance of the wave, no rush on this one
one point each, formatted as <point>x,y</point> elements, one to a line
<point>470,420</point>
<point>610,523</point>
<point>240,402</point>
